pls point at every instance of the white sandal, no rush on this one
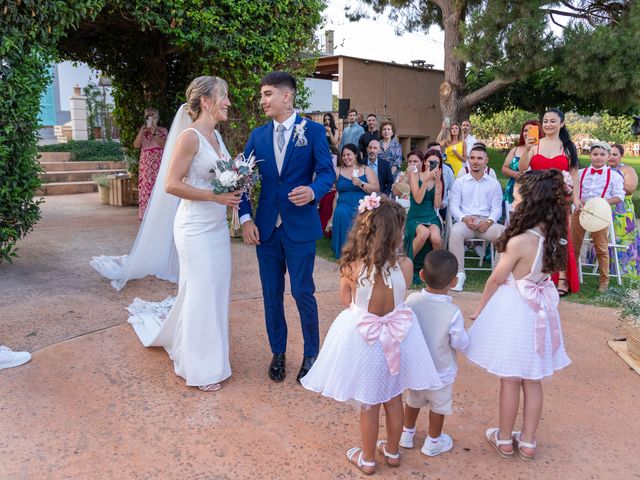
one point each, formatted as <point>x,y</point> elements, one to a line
<point>388,456</point>
<point>519,444</point>
<point>492,437</point>
<point>212,387</point>
<point>360,463</point>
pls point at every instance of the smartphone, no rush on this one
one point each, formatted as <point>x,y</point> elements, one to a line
<point>149,122</point>
<point>447,122</point>
<point>433,164</point>
<point>534,132</point>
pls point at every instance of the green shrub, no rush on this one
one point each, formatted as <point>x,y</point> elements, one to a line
<point>88,150</point>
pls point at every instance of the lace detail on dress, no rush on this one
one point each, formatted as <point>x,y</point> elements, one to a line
<point>200,175</point>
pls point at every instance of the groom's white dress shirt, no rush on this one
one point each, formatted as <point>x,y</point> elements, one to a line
<point>279,155</point>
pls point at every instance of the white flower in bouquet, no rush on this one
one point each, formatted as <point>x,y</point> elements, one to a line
<point>229,179</point>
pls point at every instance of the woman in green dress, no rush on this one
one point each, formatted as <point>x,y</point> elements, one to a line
<point>423,228</point>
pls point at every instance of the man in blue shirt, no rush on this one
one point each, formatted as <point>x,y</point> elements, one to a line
<point>352,132</point>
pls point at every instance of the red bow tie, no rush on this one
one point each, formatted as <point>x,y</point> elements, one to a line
<point>594,171</point>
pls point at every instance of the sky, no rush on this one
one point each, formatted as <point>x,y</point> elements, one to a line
<point>376,39</point>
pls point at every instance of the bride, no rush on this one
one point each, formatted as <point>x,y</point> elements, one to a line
<point>195,330</point>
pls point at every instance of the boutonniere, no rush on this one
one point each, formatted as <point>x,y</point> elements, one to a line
<point>298,134</point>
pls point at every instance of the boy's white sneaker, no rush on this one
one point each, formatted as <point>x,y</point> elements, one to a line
<point>461,276</point>
<point>444,444</point>
<point>9,358</point>
<point>406,439</point>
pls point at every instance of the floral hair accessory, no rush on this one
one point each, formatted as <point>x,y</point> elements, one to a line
<point>369,202</point>
<point>568,182</point>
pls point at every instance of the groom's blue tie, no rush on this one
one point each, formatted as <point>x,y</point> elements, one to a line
<point>280,136</point>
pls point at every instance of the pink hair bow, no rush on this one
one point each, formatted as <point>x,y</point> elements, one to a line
<point>390,329</point>
<point>543,298</point>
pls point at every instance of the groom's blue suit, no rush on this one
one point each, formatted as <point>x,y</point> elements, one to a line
<point>291,245</point>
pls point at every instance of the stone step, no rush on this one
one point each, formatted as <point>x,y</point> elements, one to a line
<point>54,157</point>
<point>76,166</point>
<point>67,188</point>
<point>76,176</point>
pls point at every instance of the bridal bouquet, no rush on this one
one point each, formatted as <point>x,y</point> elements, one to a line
<point>235,174</point>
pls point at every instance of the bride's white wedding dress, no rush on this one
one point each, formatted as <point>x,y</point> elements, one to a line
<point>194,329</point>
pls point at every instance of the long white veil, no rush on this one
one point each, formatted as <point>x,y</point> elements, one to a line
<point>154,251</point>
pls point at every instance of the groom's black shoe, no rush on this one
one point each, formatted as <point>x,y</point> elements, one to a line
<point>277,371</point>
<point>307,363</point>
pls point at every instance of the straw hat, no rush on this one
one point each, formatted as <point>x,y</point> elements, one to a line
<point>595,215</point>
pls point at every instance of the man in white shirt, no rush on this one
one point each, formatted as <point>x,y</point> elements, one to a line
<point>469,139</point>
<point>597,180</point>
<point>475,201</point>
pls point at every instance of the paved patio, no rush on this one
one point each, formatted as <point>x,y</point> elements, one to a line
<point>93,403</point>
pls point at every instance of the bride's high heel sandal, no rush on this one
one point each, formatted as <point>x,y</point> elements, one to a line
<point>212,387</point>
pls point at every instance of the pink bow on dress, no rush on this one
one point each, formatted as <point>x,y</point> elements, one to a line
<point>543,297</point>
<point>390,329</point>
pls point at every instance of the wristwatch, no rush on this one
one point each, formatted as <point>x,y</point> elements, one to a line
<point>490,221</point>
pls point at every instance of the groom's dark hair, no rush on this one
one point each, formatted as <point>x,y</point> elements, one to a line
<point>279,79</point>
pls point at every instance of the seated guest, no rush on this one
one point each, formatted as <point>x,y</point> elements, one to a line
<point>353,182</point>
<point>423,224</point>
<point>624,216</point>
<point>381,167</point>
<point>390,148</point>
<point>597,180</point>
<point>488,170</point>
<point>352,131</point>
<point>325,205</point>
<point>476,206</point>
<point>372,133</point>
<point>448,176</point>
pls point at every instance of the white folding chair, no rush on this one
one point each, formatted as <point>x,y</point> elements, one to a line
<point>613,247</point>
<point>483,244</point>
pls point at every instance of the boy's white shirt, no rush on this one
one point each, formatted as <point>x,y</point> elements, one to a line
<point>593,184</point>
<point>458,338</point>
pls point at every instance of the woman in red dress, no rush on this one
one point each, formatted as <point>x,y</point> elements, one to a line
<point>556,150</point>
<point>151,139</point>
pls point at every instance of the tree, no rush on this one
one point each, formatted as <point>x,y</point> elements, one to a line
<point>151,51</point>
<point>514,40</point>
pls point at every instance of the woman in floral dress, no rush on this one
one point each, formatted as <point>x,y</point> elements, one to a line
<point>150,139</point>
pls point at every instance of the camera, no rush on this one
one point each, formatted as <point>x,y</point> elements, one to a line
<point>433,164</point>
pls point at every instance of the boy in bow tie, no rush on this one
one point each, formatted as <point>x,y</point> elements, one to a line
<point>597,180</point>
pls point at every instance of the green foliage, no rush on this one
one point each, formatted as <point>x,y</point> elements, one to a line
<point>500,123</point>
<point>151,51</point>
<point>604,61</point>
<point>88,150</point>
<point>98,112</point>
<point>615,129</point>
<point>101,179</point>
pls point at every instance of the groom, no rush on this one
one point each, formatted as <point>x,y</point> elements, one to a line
<point>287,224</point>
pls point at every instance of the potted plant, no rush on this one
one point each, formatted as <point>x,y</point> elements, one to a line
<point>102,181</point>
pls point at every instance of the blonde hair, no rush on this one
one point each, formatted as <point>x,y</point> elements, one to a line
<point>205,86</point>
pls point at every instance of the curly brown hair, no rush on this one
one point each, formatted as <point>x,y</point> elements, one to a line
<point>374,239</point>
<point>544,205</point>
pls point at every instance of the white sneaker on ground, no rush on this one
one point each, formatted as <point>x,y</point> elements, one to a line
<point>406,439</point>
<point>444,444</point>
<point>461,276</point>
<point>9,358</point>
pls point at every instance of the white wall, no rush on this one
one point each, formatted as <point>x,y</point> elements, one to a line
<point>320,98</point>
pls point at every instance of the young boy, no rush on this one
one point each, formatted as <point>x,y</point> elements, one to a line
<point>442,325</point>
<point>597,180</point>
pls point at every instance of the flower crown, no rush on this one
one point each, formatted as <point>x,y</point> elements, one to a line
<point>369,202</point>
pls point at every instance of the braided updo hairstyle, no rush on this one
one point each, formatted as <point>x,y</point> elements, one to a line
<point>544,204</point>
<point>374,239</point>
<point>204,86</point>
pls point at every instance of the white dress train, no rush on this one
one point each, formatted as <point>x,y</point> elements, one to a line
<point>194,327</point>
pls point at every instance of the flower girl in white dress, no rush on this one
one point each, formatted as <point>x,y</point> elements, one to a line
<point>516,334</point>
<point>374,349</point>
